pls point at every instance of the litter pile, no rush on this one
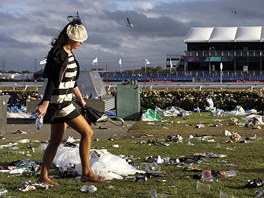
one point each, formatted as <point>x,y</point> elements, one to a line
<point>103,163</point>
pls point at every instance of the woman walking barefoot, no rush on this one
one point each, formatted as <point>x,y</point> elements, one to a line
<point>62,71</point>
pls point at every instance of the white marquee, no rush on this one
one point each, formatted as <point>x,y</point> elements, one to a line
<point>225,34</point>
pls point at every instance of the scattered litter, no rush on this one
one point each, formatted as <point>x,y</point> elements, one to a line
<point>70,139</point>
<point>102,162</point>
<point>39,122</point>
<point>8,145</point>
<point>254,121</point>
<point>151,115</point>
<point>20,132</point>
<point>150,167</point>
<point>88,188</point>
<point>140,178</point>
<point>210,155</point>
<point>233,136</point>
<point>230,173</point>
<point>209,176</point>
<point>192,168</point>
<point>259,193</point>
<point>202,137</point>
<point>153,194</point>
<point>200,126</point>
<point>153,124</point>
<point>202,186</point>
<point>213,175</point>
<point>162,180</point>
<point>18,115</point>
<point>21,166</point>
<point>239,110</point>
<point>70,144</point>
<point>224,195</point>
<point>28,186</point>
<point>40,148</point>
<point>253,183</point>
<point>171,138</point>
<point>3,191</point>
<point>153,142</point>
<point>68,172</point>
<point>25,141</point>
<point>146,135</point>
<point>2,137</point>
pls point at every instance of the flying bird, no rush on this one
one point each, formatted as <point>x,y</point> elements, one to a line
<point>129,23</point>
<point>234,11</point>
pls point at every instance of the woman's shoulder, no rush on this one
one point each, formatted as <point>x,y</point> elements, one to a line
<point>58,55</point>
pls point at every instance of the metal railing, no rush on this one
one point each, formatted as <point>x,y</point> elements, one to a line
<point>250,53</point>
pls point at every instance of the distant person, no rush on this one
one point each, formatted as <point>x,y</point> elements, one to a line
<point>62,71</point>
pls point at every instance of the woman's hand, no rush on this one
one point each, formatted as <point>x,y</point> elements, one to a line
<point>42,109</point>
<point>83,103</point>
<point>78,95</point>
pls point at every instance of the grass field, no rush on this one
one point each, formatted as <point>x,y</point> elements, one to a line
<point>177,181</point>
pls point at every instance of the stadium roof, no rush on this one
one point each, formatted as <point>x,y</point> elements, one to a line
<point>225,34</point>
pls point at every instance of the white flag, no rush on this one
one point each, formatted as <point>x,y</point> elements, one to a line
<point>95,61</point>
<point>120,61</point>
<point>171,66</point>
<point>147,62</point>
<point>42,62</point>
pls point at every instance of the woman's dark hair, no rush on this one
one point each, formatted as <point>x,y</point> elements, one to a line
<point>61,40</point>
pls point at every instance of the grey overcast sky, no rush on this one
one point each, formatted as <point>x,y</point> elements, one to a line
<point>160,26</point>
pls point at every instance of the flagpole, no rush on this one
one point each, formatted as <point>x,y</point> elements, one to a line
<point>170,65</point>
<point>120,65</point>
<point>146,62</point>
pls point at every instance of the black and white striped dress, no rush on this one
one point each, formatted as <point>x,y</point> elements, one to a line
<point>62,95</point>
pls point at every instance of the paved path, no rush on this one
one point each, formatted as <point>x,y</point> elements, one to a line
<point>102,131</point>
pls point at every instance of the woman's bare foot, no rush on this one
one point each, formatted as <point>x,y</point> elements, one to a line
<point>48,181</point>
<point>94,179</point>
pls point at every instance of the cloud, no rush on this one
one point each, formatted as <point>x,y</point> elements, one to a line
<point>27,27</point>
<point>142,5</point>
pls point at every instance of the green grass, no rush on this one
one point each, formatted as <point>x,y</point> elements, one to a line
<point>247,158</point>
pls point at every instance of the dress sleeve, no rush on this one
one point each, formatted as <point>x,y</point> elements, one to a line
<point>51,72</point>
<point>76,84</point>
<point>49,89</point>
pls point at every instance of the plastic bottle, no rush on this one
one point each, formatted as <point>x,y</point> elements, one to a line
<point>39,122</point>
<point>230,173</point>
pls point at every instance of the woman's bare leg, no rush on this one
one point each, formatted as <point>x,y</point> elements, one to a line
<point>81,126</point>
<point>57,132</point>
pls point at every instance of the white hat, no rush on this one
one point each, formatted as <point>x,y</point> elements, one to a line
<point>77,32</point>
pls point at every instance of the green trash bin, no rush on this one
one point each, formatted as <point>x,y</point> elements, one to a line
<point>128,102</point>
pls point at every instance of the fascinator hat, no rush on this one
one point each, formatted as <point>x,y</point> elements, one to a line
<point>76,31</point>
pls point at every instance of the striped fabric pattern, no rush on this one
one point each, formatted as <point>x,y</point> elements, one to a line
<point>64,92</point>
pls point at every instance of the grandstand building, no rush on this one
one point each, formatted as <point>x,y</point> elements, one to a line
<point>239,49</point>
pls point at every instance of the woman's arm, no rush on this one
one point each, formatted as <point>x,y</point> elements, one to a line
<point>78,95</point>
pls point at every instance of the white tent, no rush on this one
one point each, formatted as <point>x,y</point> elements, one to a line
<point>91,84</point>
<point>225,34</point>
